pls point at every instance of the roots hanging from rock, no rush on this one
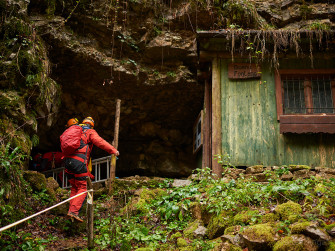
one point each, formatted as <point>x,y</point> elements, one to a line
<point>260,45</point>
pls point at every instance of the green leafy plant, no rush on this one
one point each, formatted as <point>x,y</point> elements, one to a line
<point>129,41</point>
<point>171,74</point>
<point>319,26</point>
<point>157,30</point>
<point>283,227</point>
<point>130,61</point>
<point>42,196</point>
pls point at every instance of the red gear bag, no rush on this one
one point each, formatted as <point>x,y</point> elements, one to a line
<point>70,140</point>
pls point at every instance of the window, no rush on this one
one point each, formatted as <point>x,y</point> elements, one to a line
<point>307,94</point>
<point>306,100</point>
<point>197,133</point>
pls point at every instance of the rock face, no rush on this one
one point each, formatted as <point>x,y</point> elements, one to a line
<point>143,52</point>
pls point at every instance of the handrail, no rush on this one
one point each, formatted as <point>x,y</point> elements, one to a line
<point>99,170</point>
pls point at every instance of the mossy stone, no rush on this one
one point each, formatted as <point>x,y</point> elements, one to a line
<point>232,230</point>
<point>139,203</point>
<point>230,247</point>
<point>188,231</point>
<point>298,167</point>
<point>260,232</point>
<point>329,227</point>
<point>141,206</point>
<point>36,180</point>
<point>296,242</point>
<point>287,244</point>
<point>176,235</point>
<point>299,227</point>
<point>51,186</point>
<point>71,228</point>
<point>255,169</point>
<point>216,243</point>
<point>289,210</point>
<point>195,208</point>
<point>245,217</point>
<point>187,248</point>
<point>181,242</point>
<point>150,194</point>
<point>294,218</point>
<point>270,217</point>
<point>218,223</point>
<point>331,246</point>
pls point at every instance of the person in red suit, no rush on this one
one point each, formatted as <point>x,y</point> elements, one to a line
<point>47,161</point>
<point>51,160</point>
<point>76,165</point>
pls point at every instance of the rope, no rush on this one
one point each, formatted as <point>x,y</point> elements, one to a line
<point>43,211</point>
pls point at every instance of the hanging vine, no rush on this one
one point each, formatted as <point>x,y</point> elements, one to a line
<point>262,45</point>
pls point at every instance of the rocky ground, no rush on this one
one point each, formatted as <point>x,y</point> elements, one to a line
<point>198,213</point>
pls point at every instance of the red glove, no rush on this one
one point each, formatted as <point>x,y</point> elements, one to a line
<point>91,176</point>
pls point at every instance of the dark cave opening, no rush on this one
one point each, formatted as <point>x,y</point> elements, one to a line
<point>156,122</point>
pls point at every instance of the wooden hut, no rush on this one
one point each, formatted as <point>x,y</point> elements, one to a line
<point>269,97</point>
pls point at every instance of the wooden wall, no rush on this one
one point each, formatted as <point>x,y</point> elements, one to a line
<point>250,130</point>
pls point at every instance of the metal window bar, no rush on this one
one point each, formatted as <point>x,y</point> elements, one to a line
<point>322,94</point>
<point>100,169</point>
<point>294,100</point>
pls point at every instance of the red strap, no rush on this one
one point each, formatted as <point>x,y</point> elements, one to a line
<point>77,158</point>
<point>82,150</point>
<point>77,175</point>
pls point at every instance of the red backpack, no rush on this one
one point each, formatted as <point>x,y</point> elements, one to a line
<point>70,140</point>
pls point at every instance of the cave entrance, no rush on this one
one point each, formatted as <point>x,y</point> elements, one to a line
<point>156,136</point>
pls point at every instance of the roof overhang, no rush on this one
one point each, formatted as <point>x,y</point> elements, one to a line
<point>265,43</point>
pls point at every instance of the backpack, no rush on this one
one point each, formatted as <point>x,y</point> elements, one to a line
<point>70,140</point>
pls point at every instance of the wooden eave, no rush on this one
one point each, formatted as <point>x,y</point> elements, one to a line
<point>323,43</point>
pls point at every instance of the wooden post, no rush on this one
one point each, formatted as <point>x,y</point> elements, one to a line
<point>216,117</point>
<point>207,146</point>
<point>90,210</point>
<point>116,141</point>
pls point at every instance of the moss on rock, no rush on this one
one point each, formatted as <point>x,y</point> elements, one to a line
<point>150,194</point>
<point>331,246</point>
<point>200,212</point>
<point>181,242</point>
<point>298,167</point>
<point>245,217</point>
<point>288,244</point>
<point>37,181</point>
<point>216,243</point>
<point>188,231</point>
<point>139,203</point>
<point>254,169</point>
<point>218,223</point>
<point>232,230</point>
<point>260,232</point>
<point>329,227</point>
<point>176,235</point>
<point>227,246</point>
<point>51,186</point>
<point>132,183</point>
<point>270,217</point>
<point>296,242</point>
<point>289,211</point>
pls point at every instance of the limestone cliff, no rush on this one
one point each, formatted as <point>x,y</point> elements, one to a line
<point>141,51</point>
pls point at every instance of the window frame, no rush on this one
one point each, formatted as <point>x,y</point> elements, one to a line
<point>199,120</point>
<point>304,123</point>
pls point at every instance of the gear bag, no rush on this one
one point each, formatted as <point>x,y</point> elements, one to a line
<point>70,140</point>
